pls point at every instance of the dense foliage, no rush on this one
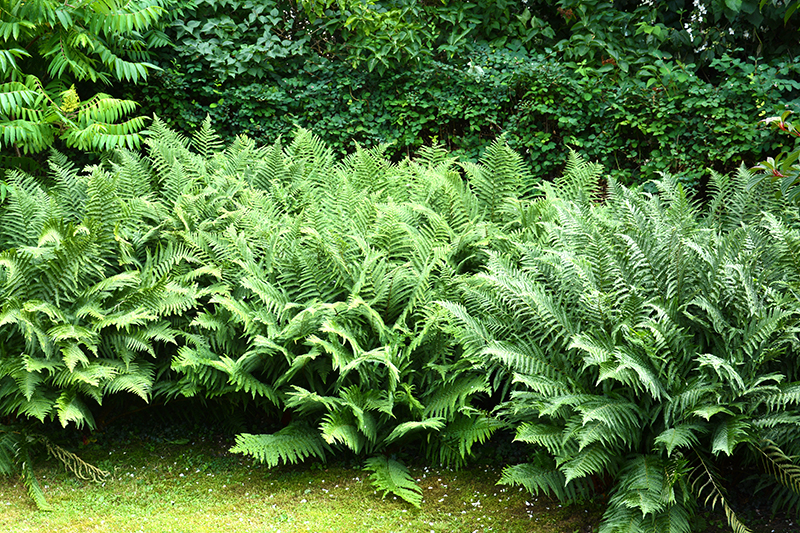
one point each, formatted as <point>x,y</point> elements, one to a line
<point>640,88</point>
<point>647,338</point>
<point>634,340</point>
<point>274,274</point>
<point>48,47</point>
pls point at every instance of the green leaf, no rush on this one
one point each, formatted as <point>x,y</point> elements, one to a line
<point>389,475</point>
<point>734,5</point>
<point>432,424</point>
<point>680,436</point>
<point>729,433</point>
<point>292,444</point>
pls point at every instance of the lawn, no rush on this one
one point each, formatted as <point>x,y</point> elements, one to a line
<point>161,482</point>
<point>201,487</point>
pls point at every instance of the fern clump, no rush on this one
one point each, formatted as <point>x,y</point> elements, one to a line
<point>643,339</point>
<point>373,307</point>
<point>272,275</point>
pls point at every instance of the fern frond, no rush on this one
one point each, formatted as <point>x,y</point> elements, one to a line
<point>434,424</point>
<point>594,459</point>
<point>685,435</point>
<point>31,483</point>
<point>642,484</point>
<point>342,427</point>
<point>780,466</point>
<point>292,444</point>
<point>79,468</point>
<point>542,476</point>
<point>453,394</point>
<point>706,486</point>
<point>500,174</point>
<point>580,180</point>
<point>389,475</point>
<point>454,444</point>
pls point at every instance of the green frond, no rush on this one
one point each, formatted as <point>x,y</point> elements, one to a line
<point>525,360</point>
<point>686,435</point>
<point>643,484</point>
<point>205,140</point>
<point>707,489</point>
<point>594,459</point>
<point>140,384</point>
<point>724,370</point>
<point>549,436</point>
<point>240,375</point>
<point>472,334</point>
<point>542,476</point>
<point>305,401</point>
<point>676,519</point>
<point>405,428</point>
<point>579,182</point>
<point>70,408</point>
<point>500,174</point>
<point>31,483</point>
<point>294,443</point>
<point>619,415</point>
<point>453,394</point>
<point>342,427</point>
<point>389,475</point>
<point>780,466</point>
<point>454,444</point>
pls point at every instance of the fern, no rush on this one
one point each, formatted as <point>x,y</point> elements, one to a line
<point>645,326</point>
<point>499,175</point>
<point>543,477</point>
<point>705,484</point>
<point>389,475</point>
<point>579,182</point>
<point>16,457</point>
<point>292,444</point>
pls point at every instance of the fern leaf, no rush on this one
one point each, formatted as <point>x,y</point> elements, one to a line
<point>729,432</point>
<point>456,440</point>
<point>706,484</point>
<point>782,467</point>
<point>542,476</point>
<point>31,483</point>
<point>389,475</point>
<point>70,408</point>
<point>205,140</point>
<point>405,428</point>
<point>593,459</point>
<point>643,485</point>
<point>292,444</point>
<point>681,436</point>
<point>579,181</point>
<point>342,427</point>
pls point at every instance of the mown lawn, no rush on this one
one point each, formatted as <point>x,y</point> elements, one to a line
<point>183,485</point>
<point>183,488</point>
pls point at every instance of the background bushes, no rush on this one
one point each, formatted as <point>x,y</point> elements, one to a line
<point>637,88</point>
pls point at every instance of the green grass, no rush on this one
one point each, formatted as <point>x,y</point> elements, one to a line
<point>158,486</point>
<point>188,488</point>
